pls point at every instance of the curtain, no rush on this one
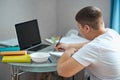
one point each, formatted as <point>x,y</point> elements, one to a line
<point>115,15</point>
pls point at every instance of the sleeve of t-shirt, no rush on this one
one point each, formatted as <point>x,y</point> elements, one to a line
<point>86,55</point>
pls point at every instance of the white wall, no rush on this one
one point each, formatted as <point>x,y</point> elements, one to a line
<point>67,9</point>
<point>52,15</point>
<point>16,11</point>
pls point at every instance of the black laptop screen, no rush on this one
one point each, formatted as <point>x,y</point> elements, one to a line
<point>28,34</point>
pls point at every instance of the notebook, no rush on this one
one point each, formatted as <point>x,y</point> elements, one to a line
<point>29,36</point>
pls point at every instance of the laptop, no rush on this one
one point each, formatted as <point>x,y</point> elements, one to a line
<point>28,36</point>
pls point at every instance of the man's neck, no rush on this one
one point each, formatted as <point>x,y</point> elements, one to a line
<point>96,33</point>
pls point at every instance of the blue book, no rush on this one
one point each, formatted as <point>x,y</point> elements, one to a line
<point>9,49</point>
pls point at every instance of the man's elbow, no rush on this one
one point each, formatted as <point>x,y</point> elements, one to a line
<point>64,73</point>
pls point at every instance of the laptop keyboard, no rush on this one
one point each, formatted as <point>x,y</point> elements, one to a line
<point>39,47</point>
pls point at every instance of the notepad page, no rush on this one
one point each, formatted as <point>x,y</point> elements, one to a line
<point>10,42</point>
<point>73,39</point>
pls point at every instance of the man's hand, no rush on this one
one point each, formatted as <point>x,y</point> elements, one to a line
<point>64,46</point>
<point>61,47</point>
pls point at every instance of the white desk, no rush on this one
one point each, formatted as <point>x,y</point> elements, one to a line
<point>49,66</point>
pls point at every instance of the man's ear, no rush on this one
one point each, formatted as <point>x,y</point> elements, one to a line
<point>87,28</point>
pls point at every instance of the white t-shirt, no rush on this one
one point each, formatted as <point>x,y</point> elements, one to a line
<point>102,56</point>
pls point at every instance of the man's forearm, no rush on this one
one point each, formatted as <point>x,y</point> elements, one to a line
<point>64,57</point>
<point>78,45</point>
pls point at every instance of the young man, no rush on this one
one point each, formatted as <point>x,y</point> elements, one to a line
<point>100,56</point>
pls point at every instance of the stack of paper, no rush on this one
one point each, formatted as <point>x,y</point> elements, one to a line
<point>15,56</point>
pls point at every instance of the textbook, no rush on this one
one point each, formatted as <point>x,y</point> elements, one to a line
<point>19,59</point>
<point>9,49</point>
<point>13,53</point>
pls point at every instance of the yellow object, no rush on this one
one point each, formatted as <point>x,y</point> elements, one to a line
<point>20,58</point>
<point>54,39</point>
<point>57,37</point>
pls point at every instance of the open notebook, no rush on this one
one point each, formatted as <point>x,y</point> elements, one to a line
<point>69,39</point>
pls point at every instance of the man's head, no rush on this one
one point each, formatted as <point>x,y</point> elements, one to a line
<point>89,19</point>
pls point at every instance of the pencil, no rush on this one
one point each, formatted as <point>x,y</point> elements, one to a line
<point>58,41</point>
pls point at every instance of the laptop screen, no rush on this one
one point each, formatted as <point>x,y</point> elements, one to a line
<point>28,34</point>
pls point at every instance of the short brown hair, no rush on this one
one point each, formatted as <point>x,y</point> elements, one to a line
<point>89,15</point>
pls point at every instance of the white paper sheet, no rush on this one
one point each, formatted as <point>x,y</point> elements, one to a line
<point>10,42</point>
<point>56,53</point>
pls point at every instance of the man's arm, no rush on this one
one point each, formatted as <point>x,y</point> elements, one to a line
<point>68,66</point>
<point>64,46</point>
<point>78,45</point>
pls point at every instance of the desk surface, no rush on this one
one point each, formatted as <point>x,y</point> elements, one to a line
<point>48,66</point>
<point>42,67</point>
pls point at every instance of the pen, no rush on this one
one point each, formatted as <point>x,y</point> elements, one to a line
<point>58,41</point>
